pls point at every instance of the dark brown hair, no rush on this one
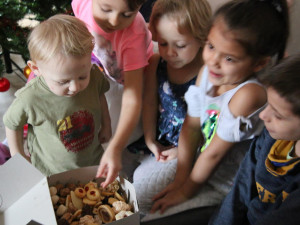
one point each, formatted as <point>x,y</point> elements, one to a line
<point>134,4</point>
<point>260,26</point>
<point>284,78</point>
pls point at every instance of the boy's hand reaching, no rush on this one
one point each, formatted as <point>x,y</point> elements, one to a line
<point>110,165</point>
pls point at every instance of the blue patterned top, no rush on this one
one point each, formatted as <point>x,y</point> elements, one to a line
<point>172,105</point>
<point>172,110</point>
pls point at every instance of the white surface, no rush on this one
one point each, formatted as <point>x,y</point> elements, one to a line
<point>24,193</point>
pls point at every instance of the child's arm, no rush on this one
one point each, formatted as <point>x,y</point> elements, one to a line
<point>150,107</point>
<point>110,163</point>
<point>247,100</point>
<point>105,131</point>
<point>189,140</point>
<point>202,170</point>
<point>15,142</point>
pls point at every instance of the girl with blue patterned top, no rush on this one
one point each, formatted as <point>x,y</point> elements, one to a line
<point>172,71</point>
<point>168,76</point>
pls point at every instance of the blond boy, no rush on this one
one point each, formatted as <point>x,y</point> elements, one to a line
<point>64,105</point>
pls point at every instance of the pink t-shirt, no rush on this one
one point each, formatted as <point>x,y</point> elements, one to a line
<point>123,50</point>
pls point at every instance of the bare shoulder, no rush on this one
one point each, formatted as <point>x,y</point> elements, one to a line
<point>248,99</point>
<point>198,81</point>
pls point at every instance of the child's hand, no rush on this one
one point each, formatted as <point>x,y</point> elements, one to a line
<point>169,154</point>
<point>109,167</point>
<point>157,149</point>
<point>104,134</point>
<point>171,187</point>
<point>171,198</point>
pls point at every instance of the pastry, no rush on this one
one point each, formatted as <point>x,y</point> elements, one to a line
<point>95,209</point>
<point>54,199</point>
<point>80,192</point>
<point>111,200</point>
<point>64,192</point>
<point>68,217</point>
<point>71,186</point>
<point>118,196</point>
<point>61,210</point>
<point>93,194</point>
<point>53,190</point>
<point>68,200</point>
<point>75,223</point>
<point>77,214</point>
<point>83,204</point>
<point>106,213</point>
<point>87,220</point>
<point>87,201</point>
<point>89,186</point>
<point>77,202</point>
<point>113,187</point>
<point>59,186</point>
<point>122,214</point>
<point>107,193</point>
<point>120,206</point>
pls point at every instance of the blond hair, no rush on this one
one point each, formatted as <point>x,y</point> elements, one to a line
<point>60,35</point>
<point>192,15</point>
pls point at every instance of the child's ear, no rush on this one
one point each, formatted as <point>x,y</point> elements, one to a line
<point>261,63</point>
<point>34,68</point>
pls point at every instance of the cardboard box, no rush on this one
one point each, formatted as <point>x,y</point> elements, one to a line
<point>25,197</point>
<point>24,194</point>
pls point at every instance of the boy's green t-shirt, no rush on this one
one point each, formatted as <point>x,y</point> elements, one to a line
<point>63,131</point>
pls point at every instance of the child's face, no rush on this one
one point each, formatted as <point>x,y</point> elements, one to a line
<point>226,59</point>
<point>279,119</point>
<point>113,15</point>
<point>66,76</point>
<point>178,49</point>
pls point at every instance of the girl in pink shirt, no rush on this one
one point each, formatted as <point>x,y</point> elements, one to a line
<point>123,47</point>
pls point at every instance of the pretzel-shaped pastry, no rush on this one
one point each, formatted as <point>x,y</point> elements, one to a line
<point>106,213</point>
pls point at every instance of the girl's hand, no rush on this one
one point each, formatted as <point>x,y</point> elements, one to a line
<point>158,150</point>
<point>171,187</point>
<point>169,154</point>
<point>104,134</point>
<point>109,167</point>
<point>172,198</point>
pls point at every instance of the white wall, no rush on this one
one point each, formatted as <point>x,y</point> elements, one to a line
<point>294,44</point>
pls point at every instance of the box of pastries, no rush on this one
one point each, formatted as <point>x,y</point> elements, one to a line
<point>72,197</point>
<point>78,199</point>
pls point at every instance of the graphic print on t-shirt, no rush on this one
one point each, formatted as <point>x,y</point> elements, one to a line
<point>210,124</point>
<point>77,131</point>
<point>107,57</point>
